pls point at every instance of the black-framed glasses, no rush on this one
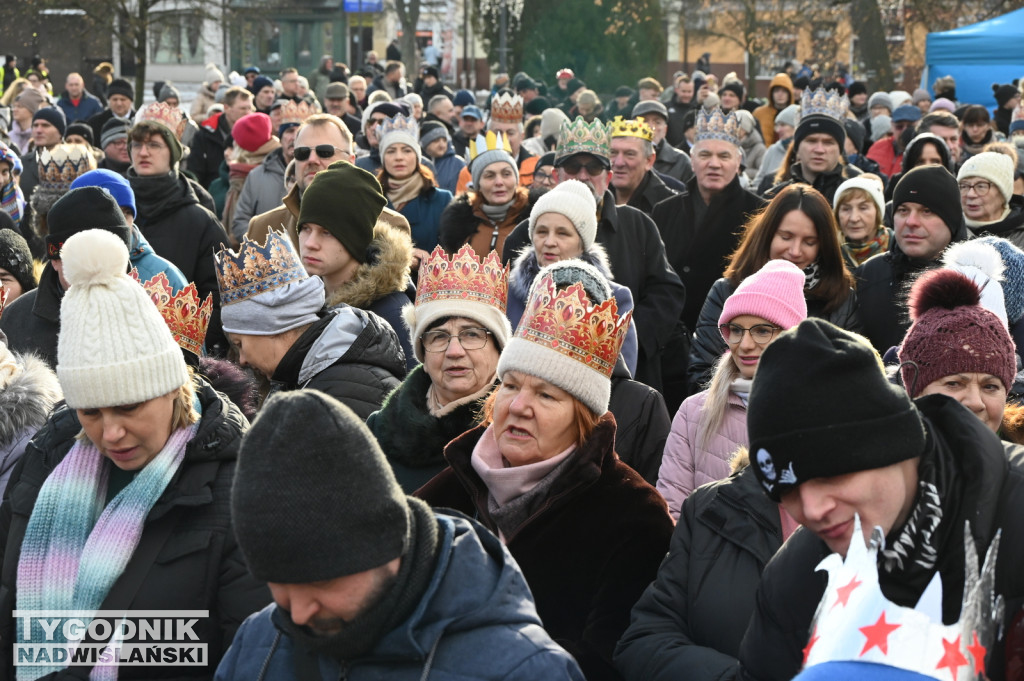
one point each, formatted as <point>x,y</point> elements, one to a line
<point>761,333</point>
<point>594,167</point>
<point>470,339</point>
<point>980,188</point>
<point>324,151</point>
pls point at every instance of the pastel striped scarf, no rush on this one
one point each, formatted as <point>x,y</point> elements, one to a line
<point>75,549</point>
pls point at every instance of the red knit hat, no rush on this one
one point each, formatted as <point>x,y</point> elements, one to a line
<point>952,333</point>
<point>252,131</point>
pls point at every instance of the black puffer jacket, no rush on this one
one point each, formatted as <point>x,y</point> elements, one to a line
<point>197,566</point>
<point>983,487</point>
<point>826,183</point>
<point>350,354</point>
<point>708,344</point>
<point>32,322</point>
<point>690,621</point>
<point>643,423</point>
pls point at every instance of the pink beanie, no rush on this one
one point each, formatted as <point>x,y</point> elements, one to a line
<point>775,292</point>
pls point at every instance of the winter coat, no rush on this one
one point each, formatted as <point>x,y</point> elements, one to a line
<point>411,437</point>
<point>184,232</point>
<point>689,623</point>
<point>689,463</point>
<point>25,403</point>
<point>766,113</point>
<point>987,488</point>
<point>198,566</point>
<point>883,152</point>
<point>464,222</point>
<point>205,98</point>
<point>88,106</point>
<point>208,147</point>
<point>381,285</point>
<point>677,113</point>
<point>424,215</point>
<point>708,344</point>
<point>99,120</point>
<point>827,183</point>
<point>242,164</point>
<point>672,162</point>
<point>349,354</point>
<point>587,554</point>
<point>638,261</point>
<point>650,192</point>
<point>753,149</point>
<point>882,286</point>
<point>527,268</point>
<point>395,90</point>
<point>770,162</point>
<point>476,620</point>
<point>642,423</point>
<point>448,168</point>
<point>1010,228</point>
<point>262,191</point>
<point>699,253</point>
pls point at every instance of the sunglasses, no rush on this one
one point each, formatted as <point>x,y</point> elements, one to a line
<point>324,151</point>
<point>594,168</point>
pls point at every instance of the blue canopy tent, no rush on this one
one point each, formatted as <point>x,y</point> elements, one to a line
<point>977,56</point>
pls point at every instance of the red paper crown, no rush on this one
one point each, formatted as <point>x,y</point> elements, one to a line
<point>566,322</point>
<point>3,300</point>
<point>185,316</point>
<point>463,278</point>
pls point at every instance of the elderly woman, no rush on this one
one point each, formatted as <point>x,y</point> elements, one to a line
<point>486,215</point>
<point>124,493</point>
<point>458,328</point>
<point>542,473</point>
<point>859,205</point>
<point>563,226</point>
<point>986,194</point>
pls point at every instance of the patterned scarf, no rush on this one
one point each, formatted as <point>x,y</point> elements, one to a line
<point>861,252</point>
<point>812,275</point>
<point>75,549</point>
<point>12,201</point>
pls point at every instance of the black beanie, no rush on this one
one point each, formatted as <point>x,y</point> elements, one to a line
<point>820,123</point>
<point>856,131</point>
<point>83,130</point>
<point>933,187</point>
<point>735,87</point>
<point>53,116</point>
<point>81,209</point>
<point>15,256</point>
<point>314,497</point>
<point>857,87</point>
<point>120,86</point>
<point>800,426</point>
<point>1004,93</point>
<point>346,201</point>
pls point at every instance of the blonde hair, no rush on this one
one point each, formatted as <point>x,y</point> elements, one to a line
<point>183,414</point>
<point>712,413</point>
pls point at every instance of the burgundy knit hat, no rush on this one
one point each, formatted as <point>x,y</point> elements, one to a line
<point>252,131</point>
<point>952,333</point>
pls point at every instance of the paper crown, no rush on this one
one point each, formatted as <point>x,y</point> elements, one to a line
<point>713,124</point>
<point>490,142</point>
<point>187,319</point>
<point>565,322</point>
<point>621,127</point>
<point>256,269</point>
<point>506,108</point>
<point>824,102</point>
<point>62,165</point>
<point>463,278</point>
<point>171,117</point>
<point>856,622</point>
<point>405,125</point>
<point>580,137</point>
<point>293,114</point>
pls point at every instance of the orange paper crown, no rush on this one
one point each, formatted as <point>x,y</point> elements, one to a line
<point>621,127</point>
<point>506,108</point>
<point>171,117</point>
<point>463,278</point>
<point>3,300</point>
<point>565,322</point>
<point>185,316</point>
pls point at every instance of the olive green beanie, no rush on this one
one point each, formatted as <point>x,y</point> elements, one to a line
<point>346,201</point>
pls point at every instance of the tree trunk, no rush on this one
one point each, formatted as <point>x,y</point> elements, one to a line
<point>872,44</point>
<point>408,16</point>
<point>140,46</point>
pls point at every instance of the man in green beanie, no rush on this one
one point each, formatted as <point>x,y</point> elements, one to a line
<point>367,582</point>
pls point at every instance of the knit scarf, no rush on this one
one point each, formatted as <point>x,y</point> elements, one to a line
<point>862,251</point>
<point>812,275</point>
<point>978,224</point>
<point>12,200</point>
<point>401,192</point>
<point>75,549</point>
<point>498,212</point>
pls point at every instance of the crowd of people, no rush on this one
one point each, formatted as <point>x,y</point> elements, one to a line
<point>395,380</point>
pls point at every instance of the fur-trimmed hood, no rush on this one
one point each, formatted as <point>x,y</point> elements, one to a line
<point>27,398</point>
<point>384,272</point>
<point>526,268</point>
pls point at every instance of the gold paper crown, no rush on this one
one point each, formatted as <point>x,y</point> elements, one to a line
<point>506,108</point>
<point>824,102</point>
<point>62,165</point>
<point>187,319</point>
<point>621,127</point>
<point>565,322</point>
<point>490,142</point>
<point>256,269</point>
<point>171,117</point>
<point>292,113</point>
<point>580,137</point>
<point>715,125</point>
<point>463,278</point>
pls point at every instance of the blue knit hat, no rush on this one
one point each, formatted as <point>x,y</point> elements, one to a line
<point>464,98</point>
<point>113,182</point>
<point>1013,276</point>
<point>259,83</point>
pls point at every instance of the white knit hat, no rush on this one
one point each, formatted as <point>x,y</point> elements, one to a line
<point>991,166</point>
<point>872,186</point>
<point>114,347</point>
<point>575,201</point>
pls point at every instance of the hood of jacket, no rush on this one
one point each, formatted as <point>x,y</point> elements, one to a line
<point>781,80</point>
<point>274,162</point>
<point>526,268</point>
<point>28,397</point>
<point>384,272</point>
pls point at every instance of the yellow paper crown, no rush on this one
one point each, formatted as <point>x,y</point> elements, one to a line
<point>491,142</point>
<point>621,127</point>
<point>256,269</point>
<point>463,278</point>
<point>185,316</point>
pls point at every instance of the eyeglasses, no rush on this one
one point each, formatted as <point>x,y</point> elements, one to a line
<point>151,145</point>
<point>469,339</point>
<point>324,151</point>
<point>541,176</point>
<point>762,334</point>
<point>980,188</point>
<point>573,165</point>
